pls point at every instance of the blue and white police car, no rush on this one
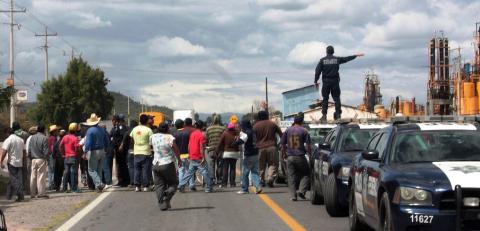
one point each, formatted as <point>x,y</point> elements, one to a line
<point>332,161</point>
<point>418,176</point>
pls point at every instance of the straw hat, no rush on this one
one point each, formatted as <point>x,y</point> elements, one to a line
<point>93,120</point>
<point>53,128</point>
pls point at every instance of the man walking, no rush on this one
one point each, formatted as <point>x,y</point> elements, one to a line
<point>293,149</point>
<point>182,137</point>
<point>38,153</point>
<point>196,147</point>
<point>52,139</point>
<point>213,134</point>
<point>15,148</point>
<point>96,144</point>
<point>250,158</point>
<point>142,151</point>
<point>328,67</point>
<point>165,174</point>
<point>266,133</point>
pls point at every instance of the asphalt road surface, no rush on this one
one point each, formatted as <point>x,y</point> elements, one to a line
<point>221,210</point>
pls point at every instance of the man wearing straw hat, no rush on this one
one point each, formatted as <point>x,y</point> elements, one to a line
<point>96,144</point>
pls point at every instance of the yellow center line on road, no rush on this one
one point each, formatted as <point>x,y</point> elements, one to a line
<point>282,214</point>
<point>290,221</point>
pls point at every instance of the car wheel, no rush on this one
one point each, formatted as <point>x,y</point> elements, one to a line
<point>385,214</point>
<point>316,198</point>
<point>332,205</point>
<point>354,223</point>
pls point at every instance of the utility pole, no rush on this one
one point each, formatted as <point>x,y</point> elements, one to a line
<point>128,110</point>
<point>46,35</point>
<point>11,79</point>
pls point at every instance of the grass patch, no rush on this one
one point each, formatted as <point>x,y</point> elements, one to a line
<point>62,217</point>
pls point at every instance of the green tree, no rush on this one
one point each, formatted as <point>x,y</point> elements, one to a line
<point>74,95</point>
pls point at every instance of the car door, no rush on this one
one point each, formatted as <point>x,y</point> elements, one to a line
<point>361,178</point>
<point>374,171</point>
<point>317,157</point>
<point>324,154</point>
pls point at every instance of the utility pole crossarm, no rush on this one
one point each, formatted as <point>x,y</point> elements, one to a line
<point>45,47</point>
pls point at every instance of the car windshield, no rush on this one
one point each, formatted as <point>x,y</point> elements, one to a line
<point>436,146</point>
<point>318,134</point>
<point>355,139</point>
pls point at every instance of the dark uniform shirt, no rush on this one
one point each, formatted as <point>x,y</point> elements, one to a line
<point>117,134</point>
<point>329,65</point>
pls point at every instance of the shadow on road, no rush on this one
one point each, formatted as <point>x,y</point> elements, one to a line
<point>192,208</point>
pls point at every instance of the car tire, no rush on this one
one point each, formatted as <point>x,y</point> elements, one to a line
<point>385,214</point>
<point>333,207</point>
<point>316,198</point>
<point>353,222</point>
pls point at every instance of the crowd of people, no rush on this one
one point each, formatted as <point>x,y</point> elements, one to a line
<point>164,158</point>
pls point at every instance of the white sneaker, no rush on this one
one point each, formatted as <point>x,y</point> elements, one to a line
<point>107,186</point>
<point>145,189</point>
<point>242,192</point>
<point>137,189</point>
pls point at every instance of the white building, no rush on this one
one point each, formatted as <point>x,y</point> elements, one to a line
<point>314,115</point>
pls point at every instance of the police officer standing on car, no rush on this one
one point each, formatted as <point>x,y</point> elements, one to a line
<point>328,67</point>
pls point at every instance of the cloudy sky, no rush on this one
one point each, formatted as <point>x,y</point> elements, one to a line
<point>214,55</point>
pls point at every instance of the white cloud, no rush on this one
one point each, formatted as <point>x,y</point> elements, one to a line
<point>307,53</point>
<point>203,97</point>
<point>89,21</point>
<point>163,46</point>
<point>252,44</point>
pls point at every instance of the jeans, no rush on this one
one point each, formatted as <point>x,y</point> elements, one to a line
<point>70,175</point>
<point>166,181</point>
<point>149,169</point>
<point>250,167</point>
<point>229,173</point>
<point>182,172</point>
<point>298,174</point>
<point>214,166</point>
<point>331,86</point>
<point>95,164</point>
<point>131,167</point>
<point>107,168</point>
<point>38,179</point>
<point>195,165</point>
<point>51,172</point>
<point>15,182</point>
<point>268,157</point>
<point>141,170</point>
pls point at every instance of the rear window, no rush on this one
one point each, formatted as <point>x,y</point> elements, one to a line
<point>355,139</point>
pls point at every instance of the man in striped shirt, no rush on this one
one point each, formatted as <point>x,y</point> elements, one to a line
<point>213,133</point>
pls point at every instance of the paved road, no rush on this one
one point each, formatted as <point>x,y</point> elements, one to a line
<point>222,210</point>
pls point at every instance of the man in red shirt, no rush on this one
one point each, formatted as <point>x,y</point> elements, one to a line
<point>196,148</point>
<point>70,149</point>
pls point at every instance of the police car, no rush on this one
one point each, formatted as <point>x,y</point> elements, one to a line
<point>418,176</point>
<point>332,161</point>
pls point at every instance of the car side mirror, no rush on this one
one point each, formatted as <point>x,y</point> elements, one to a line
<point>324,146</point>
<point>370,155</point>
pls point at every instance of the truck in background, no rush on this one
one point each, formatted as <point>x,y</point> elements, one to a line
<point>183,114</point>
<point>158,117</point>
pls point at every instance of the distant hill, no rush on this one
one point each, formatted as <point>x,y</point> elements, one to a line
<point>121,106</point>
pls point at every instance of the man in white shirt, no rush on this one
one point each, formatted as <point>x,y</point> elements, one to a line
<point>15,148</point>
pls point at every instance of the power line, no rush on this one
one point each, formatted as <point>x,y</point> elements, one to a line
<point>206,73</point>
